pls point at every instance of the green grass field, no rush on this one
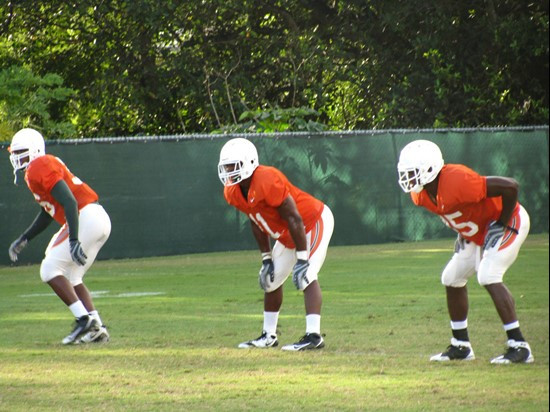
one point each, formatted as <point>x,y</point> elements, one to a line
<point>175,323</point>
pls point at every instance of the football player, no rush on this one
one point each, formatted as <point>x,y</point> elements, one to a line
<point>301,227</point>
<point>85,227</point>
<point>491,227</point>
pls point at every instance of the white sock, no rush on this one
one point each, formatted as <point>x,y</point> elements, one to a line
<point>459,325</point>
<point>78,309</point>
<point>510,326</point>
<point>313,323</point>
<point>270,322</point>
<point>94,314</point>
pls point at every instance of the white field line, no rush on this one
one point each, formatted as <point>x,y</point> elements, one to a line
<point>101,294</point>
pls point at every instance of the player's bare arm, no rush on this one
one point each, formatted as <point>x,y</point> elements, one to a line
<point>266,275</point>
<point>507,188</point>
<point>289,212</point>
<point>262,238</point>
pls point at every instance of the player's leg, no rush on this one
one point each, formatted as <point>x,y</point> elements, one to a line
<point>85,297</point>
<point>318,241</point>
<point>268,338</point>
<point>96,334</point>
<point>54,271</point>
<point>454,278</point>
<point>94,230</point>
<point>493,266</point>
<point>283,260</point>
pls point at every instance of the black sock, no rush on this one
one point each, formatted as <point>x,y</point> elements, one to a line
<point>461,334</point>
<point>515,334</point>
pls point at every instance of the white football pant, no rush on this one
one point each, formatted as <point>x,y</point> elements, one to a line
<point>94,227</point>
<point>318,239</point>
<point>490,264</point>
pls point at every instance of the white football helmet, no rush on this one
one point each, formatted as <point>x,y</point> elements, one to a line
<point>419,164</point>
<point>238,160</point>
<point>26,145</point>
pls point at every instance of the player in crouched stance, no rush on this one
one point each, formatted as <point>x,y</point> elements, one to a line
<point>491,227</point>
<point>85,227</point>
<point>301,226</point>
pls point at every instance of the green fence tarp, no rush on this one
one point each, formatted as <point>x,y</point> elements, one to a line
<point>164,196</point>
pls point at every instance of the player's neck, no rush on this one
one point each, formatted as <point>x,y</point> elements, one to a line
<point>431,189</point>
<point>245,185</point>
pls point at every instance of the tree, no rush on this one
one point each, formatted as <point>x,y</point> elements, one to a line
<point>29,100</point>
<point>276,120</point>
<point>150,67</point>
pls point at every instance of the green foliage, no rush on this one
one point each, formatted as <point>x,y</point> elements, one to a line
<point>28,100</point>
<point>469,67</point>
<point>276,120</point>
<point>150,67</point>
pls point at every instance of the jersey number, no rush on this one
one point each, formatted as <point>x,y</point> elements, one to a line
<point>450,220</point>
<point>262,224</point>
<point>48,207</point>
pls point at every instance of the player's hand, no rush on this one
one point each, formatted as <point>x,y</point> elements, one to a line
<point>494,234</point>
<point>299,274</point>
<point>77,254</point>
<point>459,243</point>
<point>267,273</point>
<point>16,247</point>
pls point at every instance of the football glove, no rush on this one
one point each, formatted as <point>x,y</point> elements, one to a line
<point>494,234</point>
<point>77,254</point>
<point>16,247</point>
<point>267,273</point>
<point>459,243</point>
<point>299,274</point>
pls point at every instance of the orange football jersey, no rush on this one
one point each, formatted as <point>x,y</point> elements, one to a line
<point>268,189</point>
<point>462,202</point>
<point>41,176</point>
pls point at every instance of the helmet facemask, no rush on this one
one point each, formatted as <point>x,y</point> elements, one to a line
<point>231,173</point>
<point>20,159</point>
<point>409,180</point>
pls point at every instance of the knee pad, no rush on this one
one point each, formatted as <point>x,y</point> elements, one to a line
<point>449,278</point>
<point>456,273</point>
<point>278,279</point>
<point>460,268</point>
<point>48,271</point>
<point>485,279</point>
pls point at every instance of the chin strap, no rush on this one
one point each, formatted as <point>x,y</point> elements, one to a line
<point>16,173</point>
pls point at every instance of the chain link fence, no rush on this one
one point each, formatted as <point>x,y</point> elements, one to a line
<point>164,196</point>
